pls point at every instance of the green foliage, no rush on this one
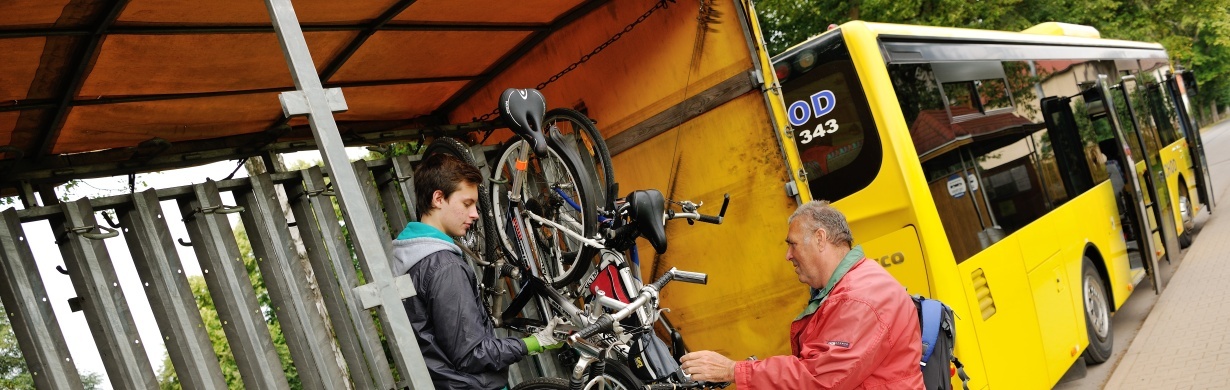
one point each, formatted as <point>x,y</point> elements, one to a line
<point>1196,33</point>
<point>13,371</point>
<point>209,314</point>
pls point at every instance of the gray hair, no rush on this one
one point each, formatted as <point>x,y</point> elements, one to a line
<point>819,214</point>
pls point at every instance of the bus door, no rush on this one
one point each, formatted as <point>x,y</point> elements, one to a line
<point>1179,86</point>
<point>1139,218</point>
<point>1137,118</point>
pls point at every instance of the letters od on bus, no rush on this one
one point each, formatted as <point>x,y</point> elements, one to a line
<point>801,111</point>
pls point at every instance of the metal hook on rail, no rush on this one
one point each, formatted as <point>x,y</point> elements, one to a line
<point>87,232</point>
<point>219,209</point>
<point>107,217</point>
<point>106,233</point>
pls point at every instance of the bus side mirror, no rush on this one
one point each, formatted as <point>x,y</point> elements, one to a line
<point>1095,104</point>
<point>1189,81</point>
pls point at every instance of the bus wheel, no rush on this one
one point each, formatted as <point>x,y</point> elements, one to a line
<point>1185,213</point>
<point>1097,315</point>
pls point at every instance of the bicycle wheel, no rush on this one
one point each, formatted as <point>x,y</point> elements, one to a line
<point>591,147</point>
<point>553,189</point>
<point>543,384</point>
<point>616,376</point>
<point>480,236</point>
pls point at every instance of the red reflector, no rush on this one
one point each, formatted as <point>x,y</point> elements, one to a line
<point>952,370</point>
<point>782,70</point>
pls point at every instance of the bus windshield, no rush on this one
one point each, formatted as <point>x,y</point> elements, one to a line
<point>827,109</point>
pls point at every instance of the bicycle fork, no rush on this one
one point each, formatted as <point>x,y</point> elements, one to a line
<point>518,223</point>
<point>589,355</point>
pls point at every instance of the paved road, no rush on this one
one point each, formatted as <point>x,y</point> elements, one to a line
<point>1131,318</point>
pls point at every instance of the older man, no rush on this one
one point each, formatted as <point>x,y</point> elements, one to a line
<point>858,331</point>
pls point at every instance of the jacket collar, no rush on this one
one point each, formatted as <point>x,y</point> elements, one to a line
<point>818,296</point>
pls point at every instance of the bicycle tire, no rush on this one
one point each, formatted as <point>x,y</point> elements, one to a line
<point>618,372</point>
<point>615,372</point>
<point>543,384</point>
<point>480,236</point>
<point>542,178</point>
<point>590,145</point>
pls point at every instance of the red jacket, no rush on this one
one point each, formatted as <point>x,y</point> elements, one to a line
<point>864,336</point>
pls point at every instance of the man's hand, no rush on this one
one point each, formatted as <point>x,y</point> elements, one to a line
<point>708,366</point>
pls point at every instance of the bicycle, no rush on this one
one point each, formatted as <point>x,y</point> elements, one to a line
<point>543,204</point>
<point>597,342</point>
<point>541,223</point>
<point>581,133</point>
<point>641,214</point>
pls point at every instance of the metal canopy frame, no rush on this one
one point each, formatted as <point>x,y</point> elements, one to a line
<point>319,104</point>
<point>39,165</point>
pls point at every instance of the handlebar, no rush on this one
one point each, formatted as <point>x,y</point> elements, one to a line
<point>689,212</point>
<point>606,322</point>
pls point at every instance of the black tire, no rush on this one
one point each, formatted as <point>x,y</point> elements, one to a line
<point>564,260</point>
<point>590,146</point>
<point>1097,315</point>
<point>616,376</point>
<point>1186,216</point>
<point>543,384</point>
<point>480,237</point>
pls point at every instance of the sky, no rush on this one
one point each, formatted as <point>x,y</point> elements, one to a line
<point>59,288</point>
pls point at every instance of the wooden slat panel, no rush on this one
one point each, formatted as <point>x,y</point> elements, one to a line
<point>170,296</point>
<point>232,292</point>
<point>25,301</point>
<point>288,283</point>
<point>335,275</point>
<point>106,310</point>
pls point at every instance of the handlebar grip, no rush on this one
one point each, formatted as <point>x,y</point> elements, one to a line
<point>663,280</point>
<point>603,324</point>
<point>710,219</point>
<point>691,277</point>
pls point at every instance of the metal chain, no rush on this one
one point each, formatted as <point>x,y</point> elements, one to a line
<point>659,5</point>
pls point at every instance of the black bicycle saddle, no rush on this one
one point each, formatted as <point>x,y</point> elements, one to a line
<point>647,207</point>
<point>523,110</point>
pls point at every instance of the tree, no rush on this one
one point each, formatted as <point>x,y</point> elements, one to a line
<point>13,371</point>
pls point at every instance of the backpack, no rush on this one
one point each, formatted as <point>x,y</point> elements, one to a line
<point>938,338</point>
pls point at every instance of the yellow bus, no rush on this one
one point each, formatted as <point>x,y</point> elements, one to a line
<point>976,166</point>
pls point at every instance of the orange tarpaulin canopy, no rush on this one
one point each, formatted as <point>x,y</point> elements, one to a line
<point>92,88</point>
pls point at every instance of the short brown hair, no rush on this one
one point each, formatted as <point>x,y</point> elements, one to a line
<point>441,172</point>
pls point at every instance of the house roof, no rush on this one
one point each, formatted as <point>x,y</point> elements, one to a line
<point>933,132</point>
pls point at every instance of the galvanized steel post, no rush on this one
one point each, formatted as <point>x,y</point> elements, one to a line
<point>318,104</point>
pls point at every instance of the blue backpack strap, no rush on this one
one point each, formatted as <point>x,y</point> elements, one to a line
<point>931,310</point>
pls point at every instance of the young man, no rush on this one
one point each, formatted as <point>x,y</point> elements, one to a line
<point>858,331</point>
<point>452,326</point>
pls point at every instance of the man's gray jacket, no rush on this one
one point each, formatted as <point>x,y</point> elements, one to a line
<point>453,328</point>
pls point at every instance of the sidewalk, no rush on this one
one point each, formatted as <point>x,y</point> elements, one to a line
<point>1185,341</point>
